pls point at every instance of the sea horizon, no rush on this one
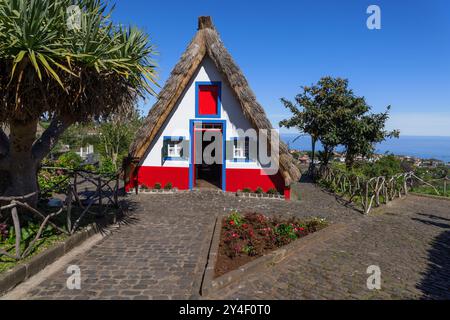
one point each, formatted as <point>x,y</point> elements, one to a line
<point>424,147</point>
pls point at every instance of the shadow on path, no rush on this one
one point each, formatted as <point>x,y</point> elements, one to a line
<point>435,283</point>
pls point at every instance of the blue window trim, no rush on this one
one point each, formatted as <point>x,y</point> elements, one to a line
<point>248,160</point>
<point>174,138</point>
<point>192,122</point>
<point>219,98</point>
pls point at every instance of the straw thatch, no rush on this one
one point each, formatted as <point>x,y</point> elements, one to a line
<point>207,42</point>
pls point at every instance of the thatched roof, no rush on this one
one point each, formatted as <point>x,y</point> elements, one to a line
<point>207,42</point>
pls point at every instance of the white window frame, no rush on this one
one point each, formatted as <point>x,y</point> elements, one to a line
<point>239,149</point>
<point>174,148</point>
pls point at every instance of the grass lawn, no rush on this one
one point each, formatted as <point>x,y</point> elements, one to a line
<point>7,263</point>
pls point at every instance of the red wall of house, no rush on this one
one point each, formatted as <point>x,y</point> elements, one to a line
<point>179,177</point>
<point>237,179</point>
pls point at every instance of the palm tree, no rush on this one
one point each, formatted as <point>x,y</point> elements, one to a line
<point>68,74</point>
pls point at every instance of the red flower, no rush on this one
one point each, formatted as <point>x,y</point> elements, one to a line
<point>245,226</point>
<point>232,223</point>
<point>302,229</point>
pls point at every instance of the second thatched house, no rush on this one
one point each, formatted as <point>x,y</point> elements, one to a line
<point>206,130</point>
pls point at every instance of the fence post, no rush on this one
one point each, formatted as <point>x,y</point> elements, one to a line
<point>99,191</point>
<point>116,191</point>
<point>69,210</point>
<point>405,185</point>
<point>15,217</point>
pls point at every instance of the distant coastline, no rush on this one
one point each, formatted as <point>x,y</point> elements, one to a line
<point>414,146</point>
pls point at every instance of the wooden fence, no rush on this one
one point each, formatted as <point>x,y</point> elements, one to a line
<point>373,192</point>
<point>104,194</point>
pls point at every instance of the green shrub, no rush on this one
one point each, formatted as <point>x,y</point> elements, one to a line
<point>144,186</point>
<point>259,190</point>
<point>107,166</point>
<point>168,186</point>
<point>247,190</point>
<point>157,186</point>
<point>285,233</point>
<point>69,160</point>
<point>50,181</point>
<point>235,219</point>
<point>272,191</point>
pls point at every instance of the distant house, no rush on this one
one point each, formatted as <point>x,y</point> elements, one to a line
<point>85,152</point>
<point>206,95</point>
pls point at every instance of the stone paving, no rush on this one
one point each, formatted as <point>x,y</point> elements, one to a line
<point>409,240</point>
<point>161,253</point>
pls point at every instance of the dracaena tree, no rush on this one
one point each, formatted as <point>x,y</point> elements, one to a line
<point>69,74</point>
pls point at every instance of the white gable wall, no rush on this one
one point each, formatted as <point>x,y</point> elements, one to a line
<point>178,123</point>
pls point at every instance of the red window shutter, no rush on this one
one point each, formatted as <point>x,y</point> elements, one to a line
<point>208,99</point>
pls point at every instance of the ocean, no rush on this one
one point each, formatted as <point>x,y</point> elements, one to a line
<point>420,147</point>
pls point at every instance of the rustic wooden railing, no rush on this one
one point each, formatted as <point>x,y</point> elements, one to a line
<point>373,192</point>
<point>106,194</point>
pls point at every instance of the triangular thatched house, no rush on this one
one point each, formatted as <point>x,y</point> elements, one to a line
<point>198,134</point>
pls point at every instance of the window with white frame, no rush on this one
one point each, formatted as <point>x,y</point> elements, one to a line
<point>241,149</point>
<point>173,148</point>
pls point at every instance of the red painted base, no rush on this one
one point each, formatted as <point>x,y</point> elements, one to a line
<point>149,176</point>
<point>237,179</point>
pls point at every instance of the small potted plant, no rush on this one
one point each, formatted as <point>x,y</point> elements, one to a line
<point>259,191</point>
<point>144,187</point>
<point>157,186</point>
<point>272,192</point>
<point>168,186</point>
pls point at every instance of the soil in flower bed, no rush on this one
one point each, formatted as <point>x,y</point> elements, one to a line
<point>247,237</point>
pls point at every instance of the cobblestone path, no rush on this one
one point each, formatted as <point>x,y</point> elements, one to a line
<point>162,253</point>
<point>409,240</point>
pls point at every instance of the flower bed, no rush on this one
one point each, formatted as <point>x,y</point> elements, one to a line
<point>247,237</point>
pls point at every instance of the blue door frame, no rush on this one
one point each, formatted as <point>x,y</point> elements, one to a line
<point>191,154</point>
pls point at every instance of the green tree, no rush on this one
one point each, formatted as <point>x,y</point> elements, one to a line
<point>386,166</point>
<point>116,134</point>
<point>360,130</point>
<point>316,112</point>
<point>68,75</point>
<point>331,113</point>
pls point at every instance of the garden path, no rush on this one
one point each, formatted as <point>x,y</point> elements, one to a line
<point>408,240</point>
<point>161,252</point>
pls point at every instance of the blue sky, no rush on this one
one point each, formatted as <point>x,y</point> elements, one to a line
<point>285,44</point>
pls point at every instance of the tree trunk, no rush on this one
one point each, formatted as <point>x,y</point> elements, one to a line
<point>313,147</point>
<point>349,161</point>
<point>312,166</point>
<point>22,167</point>
<point>328,153</point>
